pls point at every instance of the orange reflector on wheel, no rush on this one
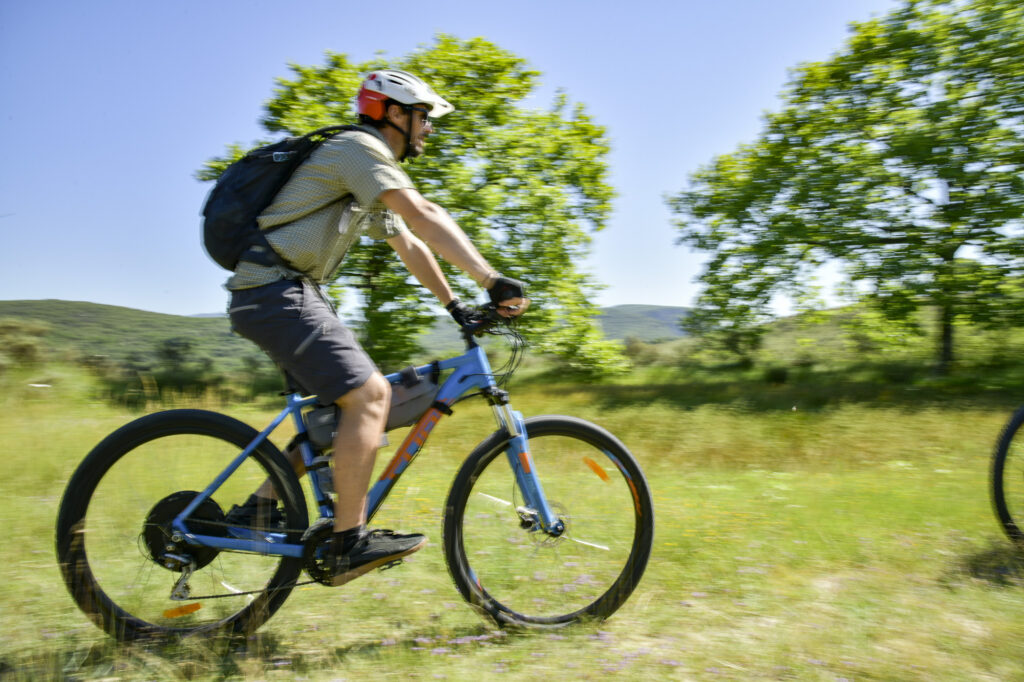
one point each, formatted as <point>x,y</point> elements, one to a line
<point>182,610</point>
<point>596,468</point>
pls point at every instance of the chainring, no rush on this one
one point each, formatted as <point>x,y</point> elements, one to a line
<point>316,543</point>
<point>157,532</point>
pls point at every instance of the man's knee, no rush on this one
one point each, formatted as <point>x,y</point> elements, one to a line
<point>373,396</point>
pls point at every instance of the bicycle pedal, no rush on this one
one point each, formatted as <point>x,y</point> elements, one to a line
<point>391,564</point>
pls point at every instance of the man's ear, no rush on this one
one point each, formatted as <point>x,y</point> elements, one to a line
<point>394,113</point>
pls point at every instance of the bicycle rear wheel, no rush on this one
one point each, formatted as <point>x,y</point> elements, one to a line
<point>1008,478</point>
<point>116,548</point>
<point>520,575</point>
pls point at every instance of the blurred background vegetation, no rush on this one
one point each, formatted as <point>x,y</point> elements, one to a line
<point>811,359</point>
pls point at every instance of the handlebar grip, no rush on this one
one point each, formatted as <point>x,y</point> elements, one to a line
<point>488,317</point>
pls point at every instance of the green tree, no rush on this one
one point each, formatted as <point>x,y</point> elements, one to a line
<point>902,156</point>
<point>528,186</point>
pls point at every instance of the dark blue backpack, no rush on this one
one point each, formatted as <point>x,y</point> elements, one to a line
<point>245,189</point>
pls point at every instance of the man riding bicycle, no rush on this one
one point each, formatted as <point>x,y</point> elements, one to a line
<point>353,185</point>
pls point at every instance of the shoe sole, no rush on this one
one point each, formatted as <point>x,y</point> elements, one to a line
<point>349,576</point>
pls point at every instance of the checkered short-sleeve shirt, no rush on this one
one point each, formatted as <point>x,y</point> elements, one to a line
<point>332,199</point>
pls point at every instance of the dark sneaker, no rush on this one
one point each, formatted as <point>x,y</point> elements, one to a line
<point>256,512</point>
<point>374,549</point>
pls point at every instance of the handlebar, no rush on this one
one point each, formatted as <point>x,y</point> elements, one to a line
<point>485,318</point>
<point>488,319</point>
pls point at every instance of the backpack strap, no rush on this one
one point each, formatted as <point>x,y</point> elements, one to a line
<point>260,251</point>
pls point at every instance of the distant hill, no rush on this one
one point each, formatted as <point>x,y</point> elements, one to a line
<point>643,322</point>
<point>96,329</point>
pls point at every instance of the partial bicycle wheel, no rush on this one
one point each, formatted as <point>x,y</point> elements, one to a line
<point>519,575</point>
<point>1008,478</point>
<point>127,568</point>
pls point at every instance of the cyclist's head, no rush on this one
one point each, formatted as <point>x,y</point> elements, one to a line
<point>389,87</point>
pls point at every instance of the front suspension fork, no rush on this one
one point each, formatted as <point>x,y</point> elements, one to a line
<point>536,511</point>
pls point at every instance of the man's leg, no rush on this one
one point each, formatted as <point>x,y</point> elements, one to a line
<point>293,323</point>
<point>364,411</point>
<point>355,550</point>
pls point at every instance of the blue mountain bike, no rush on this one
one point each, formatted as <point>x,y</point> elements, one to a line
<point>549,520</point>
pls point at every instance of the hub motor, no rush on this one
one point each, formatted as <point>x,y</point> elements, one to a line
<point>159,538</point>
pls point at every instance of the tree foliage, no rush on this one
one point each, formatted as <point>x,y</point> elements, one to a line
<point>902,156</point>
<point>526,185</point>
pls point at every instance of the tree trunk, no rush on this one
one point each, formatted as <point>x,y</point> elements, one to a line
<point>947,298</point>
<point>946,338</point>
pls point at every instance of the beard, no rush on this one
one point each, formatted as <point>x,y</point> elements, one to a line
<point>412,149</point>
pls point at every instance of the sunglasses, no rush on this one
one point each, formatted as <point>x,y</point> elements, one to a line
<point>426,113</point>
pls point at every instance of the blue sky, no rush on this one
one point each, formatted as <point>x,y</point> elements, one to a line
<point>107,108</point>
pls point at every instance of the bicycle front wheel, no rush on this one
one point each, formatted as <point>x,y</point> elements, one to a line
<point>123,562</point>
<point>1008,478</point>
<point>516,573</point>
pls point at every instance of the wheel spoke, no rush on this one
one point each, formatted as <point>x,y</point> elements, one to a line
<point>495,499</point>
<point>588,544</point>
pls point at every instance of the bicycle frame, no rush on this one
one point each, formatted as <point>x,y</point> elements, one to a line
<point>470,371</point>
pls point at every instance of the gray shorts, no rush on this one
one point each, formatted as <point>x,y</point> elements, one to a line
<point>299,330</point>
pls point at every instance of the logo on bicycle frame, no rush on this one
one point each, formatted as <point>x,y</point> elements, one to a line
<point>417,437</point>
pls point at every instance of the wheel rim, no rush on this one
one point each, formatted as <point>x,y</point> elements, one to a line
<point>520,573</point>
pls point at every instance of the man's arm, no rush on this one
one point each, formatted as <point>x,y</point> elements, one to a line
<point>439,231</point>
<point>422,264</point>
<point>433,224</point>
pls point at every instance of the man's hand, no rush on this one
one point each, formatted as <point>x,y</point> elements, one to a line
<point>463,314</point>
<point>509,296</point>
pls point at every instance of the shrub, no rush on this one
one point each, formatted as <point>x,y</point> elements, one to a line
<point>21,341</point>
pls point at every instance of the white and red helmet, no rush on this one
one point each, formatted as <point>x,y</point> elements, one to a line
<point>405,88</point>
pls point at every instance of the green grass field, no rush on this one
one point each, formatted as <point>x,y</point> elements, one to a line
<point>844,539</point>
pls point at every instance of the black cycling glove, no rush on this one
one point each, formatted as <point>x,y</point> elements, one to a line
<point>506,288</point>
<point>463,314</point>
